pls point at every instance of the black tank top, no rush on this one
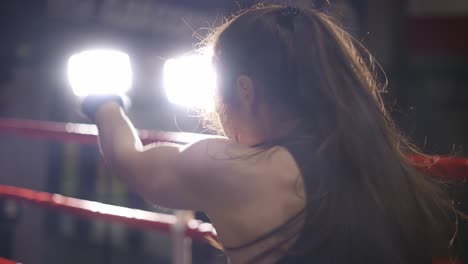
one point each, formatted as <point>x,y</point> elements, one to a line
<point>298,147</point>
<point>303,148</point>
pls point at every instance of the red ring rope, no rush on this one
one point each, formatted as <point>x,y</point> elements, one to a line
<point>451,167</point>
<point>83,133</point>
<point>6,261</point>
<point>95,210</point>
<point>131,217</point>
<point>448,167</point>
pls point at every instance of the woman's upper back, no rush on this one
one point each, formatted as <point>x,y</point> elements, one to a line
<point>279,222</point>
<point>253,226</point>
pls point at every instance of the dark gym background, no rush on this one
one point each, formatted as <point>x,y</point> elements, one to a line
<point>422,45</point>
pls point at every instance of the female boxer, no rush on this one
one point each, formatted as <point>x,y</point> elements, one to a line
<point>312,169</point>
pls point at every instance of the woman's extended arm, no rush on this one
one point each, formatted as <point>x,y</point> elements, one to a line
<point>170,175</point>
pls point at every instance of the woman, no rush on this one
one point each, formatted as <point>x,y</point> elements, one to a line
<point>312,169</point>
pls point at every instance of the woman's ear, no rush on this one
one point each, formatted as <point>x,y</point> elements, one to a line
<point>246,90</point>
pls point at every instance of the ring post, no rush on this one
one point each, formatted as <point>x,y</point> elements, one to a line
<point>181,245</point>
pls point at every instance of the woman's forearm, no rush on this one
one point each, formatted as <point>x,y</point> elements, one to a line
<point>142,168</point>
<point>117,136</point>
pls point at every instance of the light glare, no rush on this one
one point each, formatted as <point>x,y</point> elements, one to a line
<point>190,81</point>
<point>99,72</point>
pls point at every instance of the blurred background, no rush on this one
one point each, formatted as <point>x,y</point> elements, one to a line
<point>421,44</point>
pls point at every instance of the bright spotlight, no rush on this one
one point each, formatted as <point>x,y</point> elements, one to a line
<point>99,72</point>
<point>190,80</point>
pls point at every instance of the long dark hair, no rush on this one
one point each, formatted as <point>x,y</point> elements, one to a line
<point>366,203</point>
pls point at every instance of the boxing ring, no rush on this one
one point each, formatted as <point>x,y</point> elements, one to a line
<point>449,167</point>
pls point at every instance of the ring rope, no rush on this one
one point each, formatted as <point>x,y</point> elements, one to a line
<point>446,167</point>
<point>84,133</point>
<point>450,167</point>
<point>7,261</point>
<point>94,210</point>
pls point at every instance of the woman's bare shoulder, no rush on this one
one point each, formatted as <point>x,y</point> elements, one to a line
<point>240,169</point>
